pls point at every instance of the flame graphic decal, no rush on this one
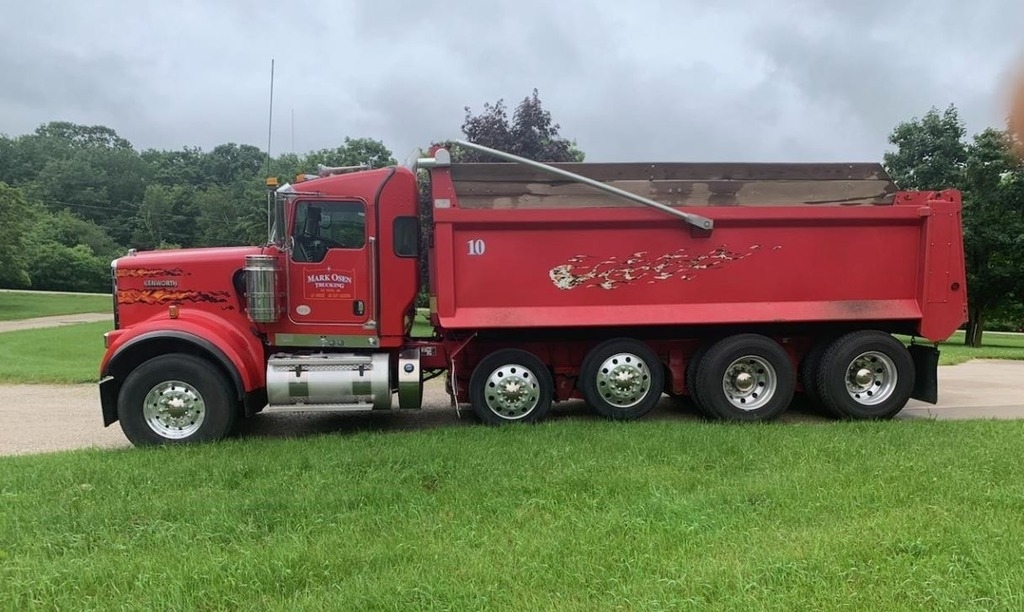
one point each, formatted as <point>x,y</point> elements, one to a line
<point>614,272</point>
<point>135,296</point>
<point>147,272</point>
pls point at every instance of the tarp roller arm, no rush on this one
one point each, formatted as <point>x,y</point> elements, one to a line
<point>698,221</point>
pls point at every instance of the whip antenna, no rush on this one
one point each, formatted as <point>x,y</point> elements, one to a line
<point>271,182</point>
<point>270,120</point>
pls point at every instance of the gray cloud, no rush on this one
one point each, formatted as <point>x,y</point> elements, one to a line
<point>644,80</point>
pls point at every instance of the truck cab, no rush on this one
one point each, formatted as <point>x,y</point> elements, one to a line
<point>314,319</point>
<point>349,252</point>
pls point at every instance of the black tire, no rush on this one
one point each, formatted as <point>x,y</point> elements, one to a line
<point>530,377</point>
<point>691,377</point>
<point>189,384</point>
<point>808,371</point>
<point>630,399</point>
<point>768,372</point>
<point>579,378</point>
<point>886,385</point>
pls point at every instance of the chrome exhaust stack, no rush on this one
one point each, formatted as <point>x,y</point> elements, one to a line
<point>261,294</point>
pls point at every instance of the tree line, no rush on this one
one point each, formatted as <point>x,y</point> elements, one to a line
<point>73,197</point>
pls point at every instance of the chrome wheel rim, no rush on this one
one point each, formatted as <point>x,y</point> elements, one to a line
<point>749,382</point>
<point>512,391</point>
<point>174,409</point>
<point>871,378</point>
<point>623,380</point>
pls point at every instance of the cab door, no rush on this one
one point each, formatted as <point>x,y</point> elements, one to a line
<point>330,276</point>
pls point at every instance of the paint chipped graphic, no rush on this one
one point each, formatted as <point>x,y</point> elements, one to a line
<point>135,296</point>
<point>613,272</point>
<point>147,272</point>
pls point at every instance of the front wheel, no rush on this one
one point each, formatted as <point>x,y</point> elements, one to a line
<point>174,399</point>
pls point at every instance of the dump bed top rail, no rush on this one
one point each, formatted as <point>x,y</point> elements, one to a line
<point>514,185</point>
<point>698,221</point>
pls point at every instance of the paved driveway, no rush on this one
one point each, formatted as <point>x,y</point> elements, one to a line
<point>40,418</point>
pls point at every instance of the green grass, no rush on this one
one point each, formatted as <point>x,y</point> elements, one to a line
<point>421,327</point>
<point>67,354</point>
<point>568,515</point>
<point>25,305</point>
<point>995,346</point>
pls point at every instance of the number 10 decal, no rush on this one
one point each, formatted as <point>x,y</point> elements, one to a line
<point>476,247</point>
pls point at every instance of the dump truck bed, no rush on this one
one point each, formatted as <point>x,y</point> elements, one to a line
<point>509,185</point>
<point>791,243</point>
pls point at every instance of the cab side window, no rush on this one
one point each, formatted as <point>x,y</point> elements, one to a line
<point>321,226</point>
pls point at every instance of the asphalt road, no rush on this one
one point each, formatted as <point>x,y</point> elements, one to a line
<point>45,418</point>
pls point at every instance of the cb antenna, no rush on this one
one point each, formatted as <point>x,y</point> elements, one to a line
<point>271,181</point>
<point>270,121</point>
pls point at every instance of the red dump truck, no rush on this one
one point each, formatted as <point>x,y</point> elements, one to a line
<point>737,285</point>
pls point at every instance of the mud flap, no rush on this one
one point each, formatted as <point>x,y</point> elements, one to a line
<point>926,368</point>
<point>109,388</point>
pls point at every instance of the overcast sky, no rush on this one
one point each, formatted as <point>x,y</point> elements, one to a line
<point>739,80</point>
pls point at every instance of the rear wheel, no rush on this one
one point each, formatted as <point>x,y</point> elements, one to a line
<point>174,399</point>
<point>622,379</point>
<point>691,377</point>
<point>809,367</point>
<point>746,377</point>
<point>511,385</point>
<point>866,375</point>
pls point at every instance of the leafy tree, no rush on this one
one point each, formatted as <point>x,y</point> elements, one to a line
<point>83,136</point>
<point>993,226</point>
<point>932,155</point>
<point>59,260</point>
<point>287,165</point>
<point>176,168</point>
<point>353,152</point>
<point>231,215</point>
<point>165,216</point>
<point>71,230</point>
<point>930,151</point>
<point>530,134</point>
<point>8,149</point>
<point>217,217</point>
<point>56,267</point>
<point>13,214</point>
<point>83,194</point>
<point>231,162</point>
<point>89,170</point>
<point>76,184</point>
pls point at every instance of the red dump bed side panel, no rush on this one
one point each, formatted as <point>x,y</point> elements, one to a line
<point>519,268</point>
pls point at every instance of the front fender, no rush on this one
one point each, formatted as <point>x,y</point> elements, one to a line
<point>240,347</point>
<point>238,352</point>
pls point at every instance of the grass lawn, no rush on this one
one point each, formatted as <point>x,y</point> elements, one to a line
<point>67,354</point>
<point>996,345</point>
<point>565,515</point>
<point>421,327</point>
<point>26,304</point>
